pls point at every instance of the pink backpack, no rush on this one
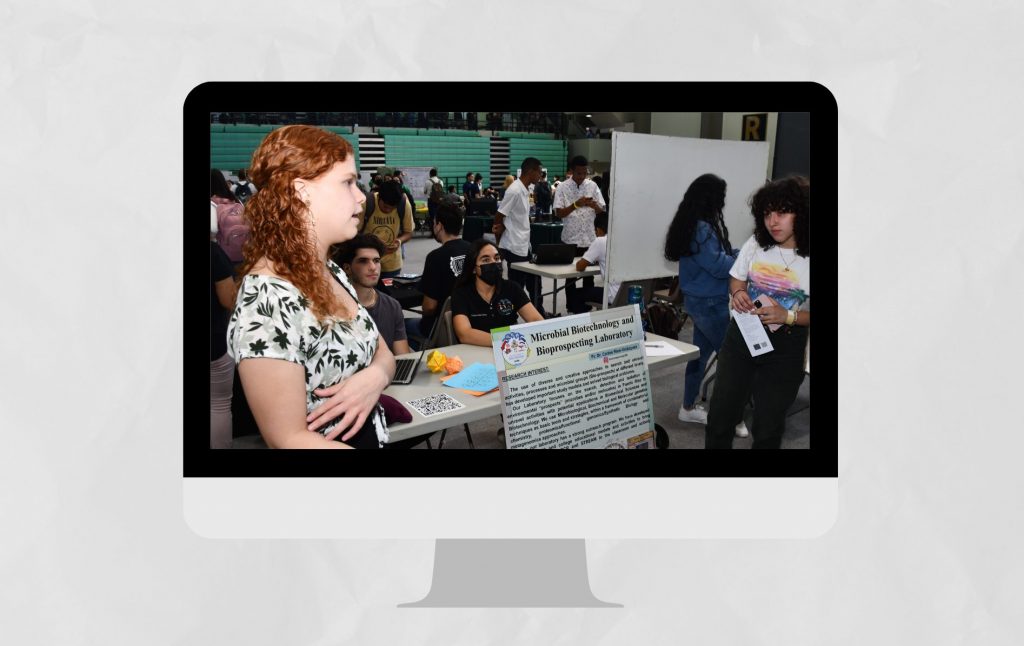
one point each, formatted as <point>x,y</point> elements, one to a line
<point>232,230</point>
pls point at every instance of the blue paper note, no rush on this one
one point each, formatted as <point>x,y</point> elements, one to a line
<point>480,377</point>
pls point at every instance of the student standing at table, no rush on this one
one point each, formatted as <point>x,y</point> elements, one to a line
<point>775,263</point>
<point>699,240</point>
<point>482,300</point>
<point>512,228</point>
<point>309,356</point>
<point>578,200</point>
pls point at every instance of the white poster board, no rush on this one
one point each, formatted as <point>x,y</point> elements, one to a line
<point>416,178</point>
<point>578,382</point>
<point>650,173</point>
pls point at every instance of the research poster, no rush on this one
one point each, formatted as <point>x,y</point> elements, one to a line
<point>578,382</point>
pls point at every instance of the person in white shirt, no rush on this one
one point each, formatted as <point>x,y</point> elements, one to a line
<point>433,179</point>
<point>578,200</point>
<point>596,254</point>
<point>512,228</point>
<point>428,190</point>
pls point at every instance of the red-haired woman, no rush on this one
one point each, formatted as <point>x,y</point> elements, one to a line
<point>309,356</point>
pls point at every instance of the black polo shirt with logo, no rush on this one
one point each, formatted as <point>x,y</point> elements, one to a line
<point>502,311</point>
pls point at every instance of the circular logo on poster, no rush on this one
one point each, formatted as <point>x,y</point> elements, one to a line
<point>615,445</point>
<point>514,348</point>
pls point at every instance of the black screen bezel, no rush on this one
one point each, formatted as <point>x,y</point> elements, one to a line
<point>820,460</point>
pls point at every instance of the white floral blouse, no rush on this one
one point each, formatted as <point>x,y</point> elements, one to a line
<point>272,319</point>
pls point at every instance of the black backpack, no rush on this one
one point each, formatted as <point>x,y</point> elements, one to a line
<point>664,321</point>
<point>436,193</point>
<point>242,192</point>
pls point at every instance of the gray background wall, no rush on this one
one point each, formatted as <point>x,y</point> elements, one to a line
<point>94,548</point>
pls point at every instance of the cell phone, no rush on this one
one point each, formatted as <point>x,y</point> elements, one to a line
<point>758,303</point>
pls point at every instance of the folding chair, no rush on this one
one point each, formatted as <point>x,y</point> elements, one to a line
<point>444,334</point>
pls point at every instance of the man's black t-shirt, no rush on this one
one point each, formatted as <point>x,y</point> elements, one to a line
<point>470,189</point>
<point>442,266</point>
<point>502,311</point>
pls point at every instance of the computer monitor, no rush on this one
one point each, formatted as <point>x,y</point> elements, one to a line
<point>483,206</point>
<point>461,495</point>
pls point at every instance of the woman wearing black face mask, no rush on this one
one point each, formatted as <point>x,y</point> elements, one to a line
<point>483,300</point>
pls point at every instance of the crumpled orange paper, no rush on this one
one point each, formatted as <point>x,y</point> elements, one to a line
<point>453,365</point>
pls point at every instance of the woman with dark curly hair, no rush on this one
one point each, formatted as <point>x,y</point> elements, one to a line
<point>699,240</point>
<point>298,333</point>
<point>774,264</point>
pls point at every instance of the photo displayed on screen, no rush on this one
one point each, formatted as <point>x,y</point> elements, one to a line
<point>504,280</point>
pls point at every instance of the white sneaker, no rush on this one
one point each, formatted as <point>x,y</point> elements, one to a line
<point>697,415</point>
<point>741,430</point>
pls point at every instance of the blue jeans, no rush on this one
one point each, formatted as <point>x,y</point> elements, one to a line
<point>710,316</point>
<point>412,328</point>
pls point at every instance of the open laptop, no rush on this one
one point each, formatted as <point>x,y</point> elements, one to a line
<point>405,369</point>
<point>554,254</point>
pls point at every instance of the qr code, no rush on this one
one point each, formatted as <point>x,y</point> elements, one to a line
<point>435,404</point>
<point>758,346</point>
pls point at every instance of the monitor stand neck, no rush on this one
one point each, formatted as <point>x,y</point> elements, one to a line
<point>510,573</point>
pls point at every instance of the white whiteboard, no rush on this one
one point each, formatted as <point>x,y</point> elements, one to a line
<point>416,178</point>
<point>650,173</point>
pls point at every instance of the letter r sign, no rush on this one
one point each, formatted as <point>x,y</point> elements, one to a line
<point>754,126</point>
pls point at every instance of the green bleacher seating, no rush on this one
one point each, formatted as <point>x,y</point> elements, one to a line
<point>453,152</point>
<point>232,146</point>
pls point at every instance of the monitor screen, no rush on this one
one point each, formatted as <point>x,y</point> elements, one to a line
<point>482,206</point>
<point>538,493</point>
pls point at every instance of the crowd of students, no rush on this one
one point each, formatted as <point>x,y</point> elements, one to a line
<point>301,312</point>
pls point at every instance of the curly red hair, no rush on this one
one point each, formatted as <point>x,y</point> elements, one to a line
<point>279,228</point>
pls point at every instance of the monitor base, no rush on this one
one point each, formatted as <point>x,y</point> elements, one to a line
<point>510,573</point>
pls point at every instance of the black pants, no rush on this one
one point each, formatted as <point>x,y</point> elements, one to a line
<point>529,281</point>
<point>575,298</point>
<point>431,211</point>
<point>773,379</point>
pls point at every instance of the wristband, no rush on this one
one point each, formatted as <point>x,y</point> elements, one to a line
<point>575,206</point>
<point>733,295</point>
<point>790,317</point>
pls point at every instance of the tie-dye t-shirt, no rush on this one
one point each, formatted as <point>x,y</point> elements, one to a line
<point>779,273</point>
